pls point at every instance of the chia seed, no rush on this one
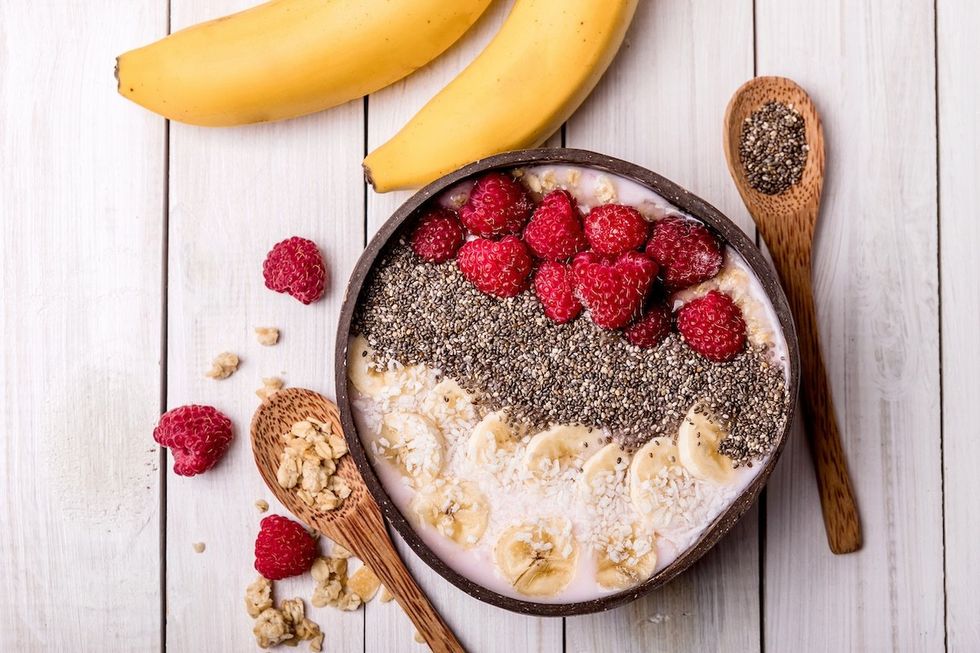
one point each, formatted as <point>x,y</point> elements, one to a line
<point>509,355</point>
<point>773,148</point>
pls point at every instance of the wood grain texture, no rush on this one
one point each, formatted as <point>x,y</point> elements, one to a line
<point>958,23</point>
<point>786,222</point>
<point>875,281</point>
<point>357,522</point>
<point>81,207</point>
<point>233,194</point>
<point>482,628</point>
<point>661,106</point>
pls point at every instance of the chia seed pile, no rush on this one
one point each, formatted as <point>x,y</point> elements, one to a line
<point>773,148</point>
<point>509,355</point>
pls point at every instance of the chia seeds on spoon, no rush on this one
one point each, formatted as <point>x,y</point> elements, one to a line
<point>507,353</point>
<point>773,148</point>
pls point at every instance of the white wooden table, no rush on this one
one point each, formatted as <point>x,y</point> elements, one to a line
<point>131,250</point>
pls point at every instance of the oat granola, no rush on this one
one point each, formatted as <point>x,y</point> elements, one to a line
<point>308,465</point>
<point>223,366</point>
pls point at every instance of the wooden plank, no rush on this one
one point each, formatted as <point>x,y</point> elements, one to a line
<point>479,627</point>
<point>81,214</point>
<point>233,194</point>
<point>661,106</point>
<point>876,292</point>
<point>959,168</point>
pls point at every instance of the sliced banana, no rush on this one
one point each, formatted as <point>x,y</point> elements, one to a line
<point>628,562</point>
<point>414,443</point>
<point>649,462</point>
<point>538,558</point>
<point>603,472</point>
<point>457,509</point>
<point>551,452</point>
<point>492,435</point>
<point>698,439</point>
<point>367,379</point>
<point>448,393</point>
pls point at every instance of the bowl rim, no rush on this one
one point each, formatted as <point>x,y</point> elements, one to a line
<point>679,197</point>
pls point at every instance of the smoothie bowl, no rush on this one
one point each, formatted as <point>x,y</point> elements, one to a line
<point>566,378</point>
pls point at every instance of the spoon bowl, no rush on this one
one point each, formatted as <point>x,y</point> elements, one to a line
<point>786,222</point>
<point>356,523</point>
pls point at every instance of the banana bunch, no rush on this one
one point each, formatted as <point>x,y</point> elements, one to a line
<point>286,58</point>
<point>538,558</point>
<point>456,509</point>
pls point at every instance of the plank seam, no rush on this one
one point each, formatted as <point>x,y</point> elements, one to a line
<point>939,308</point>
<point>164,357</point>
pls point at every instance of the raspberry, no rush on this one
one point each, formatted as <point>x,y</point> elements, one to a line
<point>296,268</point>
<point>613,288</point>
<point>283,548</point>
<point>497,205</point>
<point>651,328</point>
<point>614,228</point>
<point>497,268</point>
<point>437,236</point>
<point>712,326</point>
<point>555,230</point>
<point>553,286</point>
<point>197,436</point>
<point>686,251</point>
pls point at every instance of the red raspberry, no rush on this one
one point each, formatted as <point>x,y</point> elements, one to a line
<point>497,268</point>
<point>614,228</point>
<point>197,436</point>
<point>437,236</point>
<point>497,205</point>
<point>283,548</point>
<point>686,251</point>
<point>712,326</point>
<point>296,268</point>
<point>555,230</point>
<point>651,328</point>
<point>613,288</point>
<point>553,286</point>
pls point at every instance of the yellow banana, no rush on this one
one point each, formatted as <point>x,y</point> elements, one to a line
<point>287,58</point>
<point>546,59</point>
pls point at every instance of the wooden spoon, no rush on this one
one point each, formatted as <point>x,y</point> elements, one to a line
<point>786,222</point>
<point>357,523</point>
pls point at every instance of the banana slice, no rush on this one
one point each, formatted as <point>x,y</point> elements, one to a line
<point>367,379</point>
<point>539,558</point>
<point>446,401</point>
<point>649,462</point>
<point>553,451</point>
<point>457,509</point>
<point>698,439</point>
<point>628,562</point>
<point>603,472</point>
<point>414,443</point>
<point>490,436</point>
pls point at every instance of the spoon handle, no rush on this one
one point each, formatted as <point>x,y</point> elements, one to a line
<point>840,513</point>
<point>365,532</point>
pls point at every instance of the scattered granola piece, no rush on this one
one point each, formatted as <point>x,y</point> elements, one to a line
<point>270,386</point>
<point>417,636</point>
<point>309,463</point>
<point>198,547</point>
<point>338,551</point>
<point>271,628</point>
<point>223,366</point>
<point>331,587</point>
<point>262,505</point>
<point>605,192</point>
<point>316,644</point>
<point>386,596</point>
<point>364,583</point>
<point>267,336</point>
<point>258,597</point>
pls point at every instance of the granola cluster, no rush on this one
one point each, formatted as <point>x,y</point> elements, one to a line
<point>309,464</point>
